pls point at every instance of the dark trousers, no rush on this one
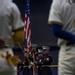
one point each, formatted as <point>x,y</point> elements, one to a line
<point>46,71</point>
<point>26,71</point>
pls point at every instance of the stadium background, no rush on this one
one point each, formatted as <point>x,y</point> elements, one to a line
<point>41,33</point>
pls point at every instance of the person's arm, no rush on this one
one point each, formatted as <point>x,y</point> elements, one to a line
<point>48,60</point>
<point>58,32</point>
<point>17,25</point>
<point>18,35</point>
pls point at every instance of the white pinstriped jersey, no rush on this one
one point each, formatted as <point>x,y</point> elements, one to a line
<point>63,12</point>
<point>10,19</point>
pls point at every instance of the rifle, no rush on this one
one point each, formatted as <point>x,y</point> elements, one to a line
<point>23,52</point>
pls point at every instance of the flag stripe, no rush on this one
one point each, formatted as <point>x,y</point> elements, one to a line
<point>28,30</point>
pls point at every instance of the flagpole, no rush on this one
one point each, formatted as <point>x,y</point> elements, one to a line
<point>34,67</point>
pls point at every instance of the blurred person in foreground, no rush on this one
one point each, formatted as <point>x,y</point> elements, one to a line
<point>11,32</point>
<point>62,21</point>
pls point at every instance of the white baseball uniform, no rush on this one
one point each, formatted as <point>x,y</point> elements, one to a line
<point>63,13</point>
<point>10,19</point>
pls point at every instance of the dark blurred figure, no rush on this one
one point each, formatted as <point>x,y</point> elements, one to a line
<point>19,67</point>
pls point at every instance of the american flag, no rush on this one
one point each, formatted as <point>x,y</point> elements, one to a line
<point>27,28</point>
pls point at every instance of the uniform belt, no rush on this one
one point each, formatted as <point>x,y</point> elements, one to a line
<point>26,66</point>
<point>45,65</point>
<point>70,44</point>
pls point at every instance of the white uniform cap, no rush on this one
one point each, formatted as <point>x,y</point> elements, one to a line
<point>45,47</point>
<point>34,45</point>
<point>25,50</point>
<point>39,50</point>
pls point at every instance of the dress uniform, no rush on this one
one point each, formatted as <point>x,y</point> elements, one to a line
<point>39,60</point>
<point>26,67</point>
<point>46,62</point>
